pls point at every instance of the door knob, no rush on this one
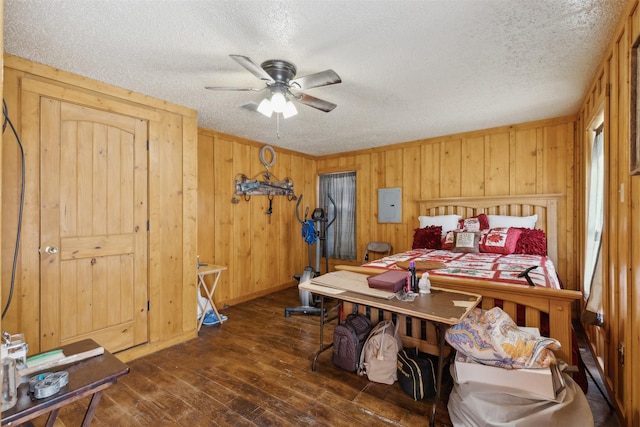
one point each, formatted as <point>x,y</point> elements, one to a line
<point>51,250</point>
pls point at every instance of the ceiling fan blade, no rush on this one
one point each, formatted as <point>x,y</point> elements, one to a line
<point>253,68</point>
<point>323,78</point>
<point>314,102</point>
<point>254,89</point>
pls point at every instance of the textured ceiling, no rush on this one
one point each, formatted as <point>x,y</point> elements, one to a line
<point>410,69</point>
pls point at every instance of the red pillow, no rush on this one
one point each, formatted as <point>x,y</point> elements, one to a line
<point>427,238</point>
<point>447,240</point>
<point>500,240</point>
<point>532,241</point>
<point>475,223</point>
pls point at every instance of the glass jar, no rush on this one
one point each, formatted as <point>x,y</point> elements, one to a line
<point>9,386</point>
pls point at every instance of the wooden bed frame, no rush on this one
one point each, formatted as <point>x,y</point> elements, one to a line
<point>535,303</point>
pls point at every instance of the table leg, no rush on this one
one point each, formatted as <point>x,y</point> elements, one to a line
<point>441,330</point>
<point>91,410</point>
<point>202,309</point>
<point>51,420</point>
<point>324,319</point>
<point>213,289</point>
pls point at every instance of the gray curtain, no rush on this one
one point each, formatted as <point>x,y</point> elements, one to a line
<point>341,236</point>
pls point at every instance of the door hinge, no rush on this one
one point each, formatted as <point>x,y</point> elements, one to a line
<point>621,354</point>
<point>147,145</point>
<point>148,225</point>
<point>148,305</point>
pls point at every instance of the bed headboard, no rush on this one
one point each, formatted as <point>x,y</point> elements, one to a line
<point>544,205</point>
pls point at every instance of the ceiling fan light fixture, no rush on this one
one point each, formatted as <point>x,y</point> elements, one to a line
<point>290,110</point>
<point>279,76</point>
<point>278,102</point>
<point>265,107</point>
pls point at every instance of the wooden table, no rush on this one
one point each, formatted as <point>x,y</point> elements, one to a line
<point>442,307</point>
<point>87,377</point>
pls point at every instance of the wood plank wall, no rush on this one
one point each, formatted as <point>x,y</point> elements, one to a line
<point>1,137</point>
<point>262,257</point>
<point>610,95</point>
<point>262,254</point>
<point>172,203</point>
<point>528,158</point>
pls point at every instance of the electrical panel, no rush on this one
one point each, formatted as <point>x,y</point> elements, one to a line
<point>390,205</point>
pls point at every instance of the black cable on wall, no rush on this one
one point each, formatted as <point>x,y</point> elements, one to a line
<point>7,121</point>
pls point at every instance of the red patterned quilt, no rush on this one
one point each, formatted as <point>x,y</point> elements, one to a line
<point>483,266</point>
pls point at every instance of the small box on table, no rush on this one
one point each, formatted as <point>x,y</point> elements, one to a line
<point>392,280</point>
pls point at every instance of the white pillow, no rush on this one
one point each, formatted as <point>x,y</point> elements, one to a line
<point>447,222</point>
<point>506,221</point>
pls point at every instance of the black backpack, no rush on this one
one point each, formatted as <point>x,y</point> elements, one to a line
<point>417,373</point>
<point>348,339</point>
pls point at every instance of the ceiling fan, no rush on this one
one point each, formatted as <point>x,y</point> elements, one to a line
<point>279,78</point>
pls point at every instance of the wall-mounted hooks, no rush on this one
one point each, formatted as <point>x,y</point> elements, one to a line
<point>269,185</point>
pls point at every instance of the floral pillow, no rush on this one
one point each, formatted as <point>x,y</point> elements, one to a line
<point>447,240</point>
<point>532,242</point>
<point>500,240</point>
<point>429,237</point>
<point>475,223</point>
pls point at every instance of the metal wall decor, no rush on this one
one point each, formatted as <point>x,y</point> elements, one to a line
<point>269,184</point>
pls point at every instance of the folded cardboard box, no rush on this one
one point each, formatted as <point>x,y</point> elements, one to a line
<point>545,383</point>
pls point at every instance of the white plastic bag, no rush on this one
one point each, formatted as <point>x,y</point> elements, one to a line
<point>203,302</point>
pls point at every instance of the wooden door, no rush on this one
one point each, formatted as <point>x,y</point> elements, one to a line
<point>93,247</point>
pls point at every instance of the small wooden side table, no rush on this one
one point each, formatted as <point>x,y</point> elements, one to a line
<point>204,270</point>
<point>87,377</point>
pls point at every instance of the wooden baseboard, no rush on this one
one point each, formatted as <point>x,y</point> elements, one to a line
<point>254,295</point>
<point>146,349</point>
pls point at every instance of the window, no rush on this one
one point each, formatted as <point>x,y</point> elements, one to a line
<point>341,235</point>
<point>595,221</point>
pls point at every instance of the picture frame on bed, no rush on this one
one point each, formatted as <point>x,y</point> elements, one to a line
<point>634,110</point>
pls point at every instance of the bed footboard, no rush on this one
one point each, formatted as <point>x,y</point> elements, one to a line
<point>541,308</point>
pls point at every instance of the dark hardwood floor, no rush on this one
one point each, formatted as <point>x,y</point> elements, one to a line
<point>255,370</point>
<point>602,415</point>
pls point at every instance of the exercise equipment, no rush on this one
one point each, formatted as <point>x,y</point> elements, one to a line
<point>314,232</point>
